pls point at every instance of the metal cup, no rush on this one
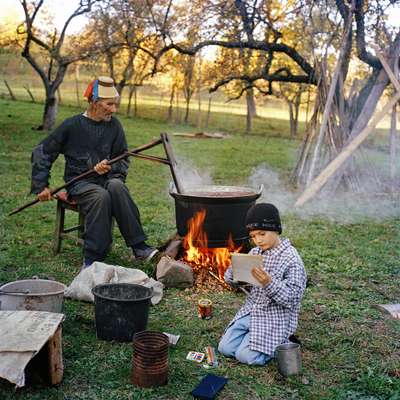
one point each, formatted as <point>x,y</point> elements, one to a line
<point>288,358</point>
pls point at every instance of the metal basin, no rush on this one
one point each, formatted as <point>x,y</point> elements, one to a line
<point>32,295</point>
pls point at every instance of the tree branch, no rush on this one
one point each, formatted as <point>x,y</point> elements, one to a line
<point>254,45</point>
<point>275,77</point>
<point>363,54</point>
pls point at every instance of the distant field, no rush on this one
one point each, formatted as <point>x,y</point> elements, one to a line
<point>224,116</point>
<point>149,97</point>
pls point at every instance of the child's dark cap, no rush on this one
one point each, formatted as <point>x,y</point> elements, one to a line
<point>265,217</point>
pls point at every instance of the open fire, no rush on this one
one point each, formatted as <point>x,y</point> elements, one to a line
<point>200,256</point>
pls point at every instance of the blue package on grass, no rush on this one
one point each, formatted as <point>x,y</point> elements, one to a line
<point>209,386</point>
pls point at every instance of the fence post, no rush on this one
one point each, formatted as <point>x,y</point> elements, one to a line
<point>30,94</point>
<point>10,91</point>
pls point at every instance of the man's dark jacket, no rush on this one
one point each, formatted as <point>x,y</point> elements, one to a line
<point>83,142</point>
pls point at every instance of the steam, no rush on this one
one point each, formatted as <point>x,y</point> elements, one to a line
<point>188,175</point>
<point>340,206</point>
<point>369,196</point>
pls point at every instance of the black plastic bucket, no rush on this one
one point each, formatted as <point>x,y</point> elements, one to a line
<point>121,310</point>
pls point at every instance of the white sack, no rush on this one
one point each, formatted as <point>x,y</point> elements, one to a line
<point>98,273</point>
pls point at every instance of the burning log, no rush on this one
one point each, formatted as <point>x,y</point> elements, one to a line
<point>201,256</point>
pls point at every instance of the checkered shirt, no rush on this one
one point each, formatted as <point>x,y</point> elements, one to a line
<point>274,309</point>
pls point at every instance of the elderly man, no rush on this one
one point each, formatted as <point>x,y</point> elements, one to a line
<point>87,141</point>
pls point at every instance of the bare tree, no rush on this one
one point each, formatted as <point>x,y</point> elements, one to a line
<point>286,59</point>
<point>43,51</point>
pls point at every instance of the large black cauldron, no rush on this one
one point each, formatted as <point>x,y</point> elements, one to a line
<point>225,206</point>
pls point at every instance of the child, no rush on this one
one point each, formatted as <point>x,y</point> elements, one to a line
<point>269,315</point>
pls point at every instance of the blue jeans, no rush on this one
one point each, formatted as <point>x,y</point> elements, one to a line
<point>236,343</point>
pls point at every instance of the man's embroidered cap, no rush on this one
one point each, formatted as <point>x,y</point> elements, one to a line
<point>101,88</point>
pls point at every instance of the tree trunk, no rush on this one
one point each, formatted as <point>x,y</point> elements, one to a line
<point>249,122</point>
<point>251,104</point>
<point>77,91</point>
<point>59,99</point>
<point>208,112</point>
<point>135,105</point>
<point>178,112</point>
<point>308,104</point>
<point>198,109</point>
<point>296,114</point>
<point>251,110</point>
<point>120,88</point>
<point>50,112</point>
<point>130,94</point>
<point>393,132</point>
<point>171,103</point>
<point>291,119</point>
<point>186,119</point>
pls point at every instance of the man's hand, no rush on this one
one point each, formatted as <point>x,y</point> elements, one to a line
<point>102,167</point>
<point>45,195</point>
<point>263,277</point>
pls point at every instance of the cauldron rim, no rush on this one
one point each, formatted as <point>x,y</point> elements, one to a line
<point>190,193</point>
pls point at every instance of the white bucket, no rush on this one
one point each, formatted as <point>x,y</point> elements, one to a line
<point>32,295</point>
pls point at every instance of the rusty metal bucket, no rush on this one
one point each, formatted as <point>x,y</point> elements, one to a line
<point>150,359</point>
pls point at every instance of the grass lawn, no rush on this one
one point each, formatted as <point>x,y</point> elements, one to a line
<point>350,350</point>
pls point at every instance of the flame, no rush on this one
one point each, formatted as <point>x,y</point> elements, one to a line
<point>201,256</point>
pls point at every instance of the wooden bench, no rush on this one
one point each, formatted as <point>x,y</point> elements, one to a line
<point>61,232</point>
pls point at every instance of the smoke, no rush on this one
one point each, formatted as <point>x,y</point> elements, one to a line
<point>189,176</point>
<point>368,198</point>
<point>366,203</point>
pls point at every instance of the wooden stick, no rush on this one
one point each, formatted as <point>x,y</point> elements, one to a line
<point>90,172</point>
<point>329,100</point>
<point>30,94</point>
<point>388,70</point>
<point>150,158</point>
<point>10,91</point>
<point>223,283</point>
<point>171,158</point>
<point>332,167</point>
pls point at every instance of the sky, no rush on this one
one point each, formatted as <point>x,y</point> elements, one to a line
<point>11,11</point>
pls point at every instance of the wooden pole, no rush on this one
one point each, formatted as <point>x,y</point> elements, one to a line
<point>30,94</point>
<point>322,178</point>
<point>329,101</point>
<point>172,161</point>
<point>392,144</point>
<point>387,68</point>
<point>10,91</point>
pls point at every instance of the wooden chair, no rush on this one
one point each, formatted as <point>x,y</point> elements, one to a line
<point>61,232</point>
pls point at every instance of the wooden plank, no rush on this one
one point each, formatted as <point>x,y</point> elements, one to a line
<point>333,166</point>
<point>55,358</point>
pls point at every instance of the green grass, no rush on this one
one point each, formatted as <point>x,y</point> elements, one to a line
<point>350,350</point>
